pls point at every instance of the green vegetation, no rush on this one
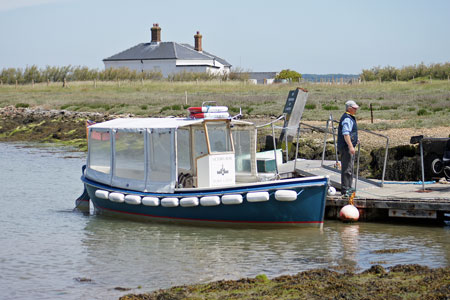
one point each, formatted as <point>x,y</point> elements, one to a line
<point>396,104</point>
<point>291,75</point>
<point>32,74</point>
<point>400,282</point>
<point>420,73</point>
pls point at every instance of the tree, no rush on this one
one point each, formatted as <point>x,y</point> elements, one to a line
<point>289,74</point>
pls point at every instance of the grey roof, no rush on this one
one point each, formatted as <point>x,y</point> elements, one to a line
<point>164,50</point>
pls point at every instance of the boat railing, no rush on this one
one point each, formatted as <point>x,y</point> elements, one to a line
<point>330,128</point>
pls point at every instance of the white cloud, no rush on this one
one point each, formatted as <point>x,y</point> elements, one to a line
<point>6,5</point>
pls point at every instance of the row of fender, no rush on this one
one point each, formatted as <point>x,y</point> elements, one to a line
<point>230,199</point>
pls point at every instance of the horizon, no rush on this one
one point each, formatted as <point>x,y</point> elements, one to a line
<point>319,38</point>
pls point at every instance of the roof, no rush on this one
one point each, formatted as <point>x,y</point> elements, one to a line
<point>143,123</point>
<point>262,75</point>
<point>164,50</point>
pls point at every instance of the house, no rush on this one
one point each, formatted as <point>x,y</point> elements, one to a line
<point>262,77</point>
<point>168,57</point>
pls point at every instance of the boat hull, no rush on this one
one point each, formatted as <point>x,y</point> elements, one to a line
<point>290,202</point>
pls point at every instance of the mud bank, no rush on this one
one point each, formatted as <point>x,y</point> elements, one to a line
<point>398,282</point>
<point>51,126</point>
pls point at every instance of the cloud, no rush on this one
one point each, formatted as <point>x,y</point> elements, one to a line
<point>6,5</point>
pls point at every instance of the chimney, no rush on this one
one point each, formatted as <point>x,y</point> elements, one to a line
<point>156,33</point>
<point>198,42</point>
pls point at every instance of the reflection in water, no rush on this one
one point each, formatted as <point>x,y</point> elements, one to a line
<point>45,248</point>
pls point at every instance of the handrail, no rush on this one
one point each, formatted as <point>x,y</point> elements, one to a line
<point>365,130</point>
<point>270,123</point>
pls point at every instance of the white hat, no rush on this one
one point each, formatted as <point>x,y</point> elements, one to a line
<point>351,103</point>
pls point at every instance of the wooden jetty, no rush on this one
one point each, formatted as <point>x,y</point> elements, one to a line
<point>377,201</point>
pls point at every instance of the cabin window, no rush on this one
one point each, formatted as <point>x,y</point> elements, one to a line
<point>184,149</point>
<point>242,148</point>
<point>200,142</point>
<point>129,155</point>
<point>160,156</point>
<point>219,137</point>
<point>100,151</point>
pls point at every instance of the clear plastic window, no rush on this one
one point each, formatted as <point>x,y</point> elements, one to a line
<point>100,151</point>
<point>219,137</point>
<point>184,149</point>
<point>160,160</point>
<point>200,142</point>
<point>242,148</point>
<point>130,155</point>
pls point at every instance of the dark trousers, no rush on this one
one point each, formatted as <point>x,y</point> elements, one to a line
<point>346,170</point>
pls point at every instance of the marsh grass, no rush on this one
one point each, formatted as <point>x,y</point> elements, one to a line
<point>409,104</point>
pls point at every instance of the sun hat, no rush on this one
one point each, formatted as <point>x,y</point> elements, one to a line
<point>351,103</point>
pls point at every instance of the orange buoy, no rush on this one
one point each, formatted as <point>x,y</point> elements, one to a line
<point>349,213</point>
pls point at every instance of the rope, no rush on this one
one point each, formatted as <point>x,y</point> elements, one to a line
<point>409,182</point>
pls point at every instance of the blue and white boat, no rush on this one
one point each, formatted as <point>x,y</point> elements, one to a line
<point>195,171</point>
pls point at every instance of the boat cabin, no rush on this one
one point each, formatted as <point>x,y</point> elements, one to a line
<point>167,154</point>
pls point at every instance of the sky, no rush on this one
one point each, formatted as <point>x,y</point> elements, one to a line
<point>316,37</point>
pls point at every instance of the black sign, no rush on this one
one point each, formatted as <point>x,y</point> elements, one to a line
<point>290,102</point>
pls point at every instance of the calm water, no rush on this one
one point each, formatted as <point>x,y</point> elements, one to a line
<point>49,252</point>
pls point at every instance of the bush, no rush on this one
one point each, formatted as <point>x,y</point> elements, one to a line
<point>24,105</point>
<point>290,75</point>
<point>310,106</point>
<point>422,112</point>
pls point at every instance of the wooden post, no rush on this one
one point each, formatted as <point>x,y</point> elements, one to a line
<point>32,83</point>
<point>431,81</point>
<point>64,82</point>
<point>371,114</point>
<point>95,83</point>
<point>48,82</point>
<point>16,83</point>
<point>185,94</point>
<point>142,81</point>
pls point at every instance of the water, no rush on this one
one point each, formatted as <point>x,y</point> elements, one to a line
<point>49,252</point>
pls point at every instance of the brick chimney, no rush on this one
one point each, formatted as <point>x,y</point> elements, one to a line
<point>156,33</point>
<point>198,42</point>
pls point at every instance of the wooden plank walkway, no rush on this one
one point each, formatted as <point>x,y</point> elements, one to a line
<point>399,199</point>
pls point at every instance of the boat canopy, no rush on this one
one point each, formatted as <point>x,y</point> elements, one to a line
<point>163,154</point>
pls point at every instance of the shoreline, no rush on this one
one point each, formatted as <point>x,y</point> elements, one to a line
<point>68,128</point>
<point>397,282</point>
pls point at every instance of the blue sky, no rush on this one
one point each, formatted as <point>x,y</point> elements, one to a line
<point>307,36</point>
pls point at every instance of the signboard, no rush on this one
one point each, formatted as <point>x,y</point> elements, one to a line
<point>295,104</point>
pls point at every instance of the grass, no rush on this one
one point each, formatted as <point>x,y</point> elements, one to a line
<point>423,104</point>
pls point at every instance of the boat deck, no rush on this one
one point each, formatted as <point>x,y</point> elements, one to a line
<point>394,199</point>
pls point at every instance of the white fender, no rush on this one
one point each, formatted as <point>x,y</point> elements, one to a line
<point>232,199</point>
<point>150,201</point>
<point>117,197</point>
<point>189,202</point>
<point>133,199</point>
<point>101,194</point>
<point>210,201</point>
<point>285,195</point>
<point>258,196</point>
<point>169,202</point>
<point>331,191</point>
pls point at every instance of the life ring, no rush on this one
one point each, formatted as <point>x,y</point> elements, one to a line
<point>208,109</point>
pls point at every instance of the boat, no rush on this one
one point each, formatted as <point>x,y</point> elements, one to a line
<point>199,171</point>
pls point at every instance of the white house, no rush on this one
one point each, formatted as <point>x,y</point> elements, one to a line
<point>168,57</point>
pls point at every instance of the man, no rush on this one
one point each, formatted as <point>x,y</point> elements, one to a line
<point>347,140</point>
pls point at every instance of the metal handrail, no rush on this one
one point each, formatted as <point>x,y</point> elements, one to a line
<point>270,123</point>
<point>365,130</point>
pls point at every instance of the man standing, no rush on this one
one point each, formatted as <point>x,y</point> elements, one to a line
<point>347,140</point>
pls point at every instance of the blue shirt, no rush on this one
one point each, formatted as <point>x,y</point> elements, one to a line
<point>347,125</point>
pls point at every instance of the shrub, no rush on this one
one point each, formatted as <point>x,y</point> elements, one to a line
<point>24,105</point>
<point>422,112</point>
<point>310,106</point>
<point>289,74</point>
<point>329,107</point>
